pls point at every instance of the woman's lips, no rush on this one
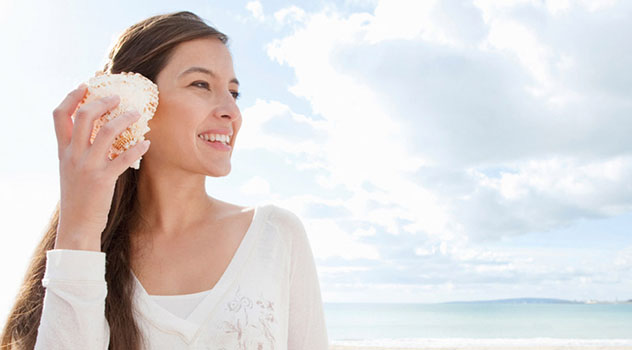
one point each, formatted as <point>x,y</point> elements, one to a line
<point>217,145</point>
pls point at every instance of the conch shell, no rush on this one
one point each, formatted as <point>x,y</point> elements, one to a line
<point>136,93</point>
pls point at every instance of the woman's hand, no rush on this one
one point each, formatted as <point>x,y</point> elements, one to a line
<point>87,176</point>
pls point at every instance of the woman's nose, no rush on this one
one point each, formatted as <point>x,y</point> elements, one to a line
<point>227,107</point>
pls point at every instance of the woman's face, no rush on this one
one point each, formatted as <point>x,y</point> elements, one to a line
<point>197,93</point>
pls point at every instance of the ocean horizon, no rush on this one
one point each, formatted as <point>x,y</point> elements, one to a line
<point>482,323</point>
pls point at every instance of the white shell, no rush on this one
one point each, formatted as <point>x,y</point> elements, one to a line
<point>136,93</point>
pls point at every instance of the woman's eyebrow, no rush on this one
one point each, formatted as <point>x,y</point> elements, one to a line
<point>205,71</point>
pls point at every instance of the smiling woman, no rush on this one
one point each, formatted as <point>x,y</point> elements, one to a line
<point>148,260</point>
<point>197,97</point>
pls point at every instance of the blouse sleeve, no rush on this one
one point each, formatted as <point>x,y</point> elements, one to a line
<point>307,330</point>
<point>73,314</point>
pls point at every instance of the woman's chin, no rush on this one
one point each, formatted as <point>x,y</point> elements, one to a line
<point>219,171</point>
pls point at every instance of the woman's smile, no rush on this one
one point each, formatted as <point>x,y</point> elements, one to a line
<point>217,144</point>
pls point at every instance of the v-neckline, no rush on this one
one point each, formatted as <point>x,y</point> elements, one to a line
<point>189,327</point>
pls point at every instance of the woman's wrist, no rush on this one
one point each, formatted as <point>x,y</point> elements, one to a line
<point>78,242</point>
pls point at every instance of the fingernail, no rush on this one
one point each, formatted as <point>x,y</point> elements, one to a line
<point>146,143</point>
<point>81,86</point>
<point>112,98</point>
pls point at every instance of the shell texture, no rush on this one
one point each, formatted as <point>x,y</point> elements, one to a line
<point>136,93</point>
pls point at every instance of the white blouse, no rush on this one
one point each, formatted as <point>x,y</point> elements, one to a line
<point>180,305</point>
<point>268,298</point>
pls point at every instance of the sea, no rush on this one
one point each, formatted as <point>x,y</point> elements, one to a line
<point>454,325</point>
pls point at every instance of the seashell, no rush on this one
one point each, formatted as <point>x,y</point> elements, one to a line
<point>137,93</point>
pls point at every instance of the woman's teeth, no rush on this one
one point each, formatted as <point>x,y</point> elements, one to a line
<point>225,139</point>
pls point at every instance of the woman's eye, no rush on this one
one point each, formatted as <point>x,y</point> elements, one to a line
<point>201,84</point>
<point>206,86</point>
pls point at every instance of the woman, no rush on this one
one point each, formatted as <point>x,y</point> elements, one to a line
<point>145,259</point>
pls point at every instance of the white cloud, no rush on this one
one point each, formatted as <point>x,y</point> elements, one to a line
<point>256,186</point>
<point>329,240</point>
<point>446,132</point>
<point>623,260</point>
<point>511,35</point>
<point>260,131</point>
<point>545,194</point>
<point>365,233</point>
<point>342,269</point>
<point>289,14</point>
<point>439,22</point>
<point>556,6</point>
<point>590,5</point>
<point>596,5</point>
<point>575,274</point>
<point>360,127</point>
<point>390,22</point>
<point>256,10</point>
<point>364,141</point>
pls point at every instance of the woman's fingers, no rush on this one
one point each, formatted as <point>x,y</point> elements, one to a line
<point>109,132</point>
<point>62,116</point>
<point>77,135</point>
<point>127,158</point>
<point>84,121</point>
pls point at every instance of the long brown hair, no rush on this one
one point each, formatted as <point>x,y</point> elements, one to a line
<point>143,48</point>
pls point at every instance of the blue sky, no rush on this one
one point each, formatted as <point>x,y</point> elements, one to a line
<point>435,151</point>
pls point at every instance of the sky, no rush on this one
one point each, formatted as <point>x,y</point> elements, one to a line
<point>434,150</point>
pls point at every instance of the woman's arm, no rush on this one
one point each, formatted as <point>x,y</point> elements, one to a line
<point>73,315</point>
<point>307,330</point>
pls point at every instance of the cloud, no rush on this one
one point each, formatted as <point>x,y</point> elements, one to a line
<point>451,23</point>
<point>256,186</point>
<point>272,126</point>
<point>541,195</point>
<point>571,273</point>
<point>363,142</point>
<point>478,123</point>
<point>289,14</point>
<point>462,104</point>
<point>624,259</point>
<point>328,239</point>
<point>256,10</point>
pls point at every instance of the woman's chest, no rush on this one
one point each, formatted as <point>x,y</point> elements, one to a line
<point>249,311</point>
<point>194,263</point>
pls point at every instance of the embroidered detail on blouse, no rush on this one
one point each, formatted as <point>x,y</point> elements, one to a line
<point>252,323</point>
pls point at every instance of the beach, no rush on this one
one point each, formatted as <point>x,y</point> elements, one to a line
<point>483,344</point>
<point>505,347</point>
<point>479,326</point>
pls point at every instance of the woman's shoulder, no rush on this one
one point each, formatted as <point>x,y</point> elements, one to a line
<point>288,227</point>
<point>281,217</point>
